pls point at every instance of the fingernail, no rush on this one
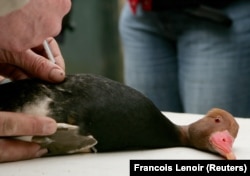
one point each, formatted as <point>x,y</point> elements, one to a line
<point>50,128</point>
<point>41,152</point>
<point>56,75</point>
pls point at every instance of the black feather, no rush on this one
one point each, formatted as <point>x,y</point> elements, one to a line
<point>117,116</point>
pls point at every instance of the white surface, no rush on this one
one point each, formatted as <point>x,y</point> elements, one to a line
<point>117,163</point>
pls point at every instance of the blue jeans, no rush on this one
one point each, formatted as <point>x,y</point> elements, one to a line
<point>189,64</point>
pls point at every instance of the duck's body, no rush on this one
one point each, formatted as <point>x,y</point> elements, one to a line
<point>116,116</point>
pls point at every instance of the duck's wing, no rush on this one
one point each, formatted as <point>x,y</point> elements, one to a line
<point>66,140</point>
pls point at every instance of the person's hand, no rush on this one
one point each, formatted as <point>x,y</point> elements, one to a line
<point>18,124</point>
<point>30,25</point>
<point>33,63</point>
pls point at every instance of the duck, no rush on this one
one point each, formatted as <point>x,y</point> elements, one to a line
<point>97,114</point>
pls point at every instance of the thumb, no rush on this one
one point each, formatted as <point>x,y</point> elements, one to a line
<point>39,66</point>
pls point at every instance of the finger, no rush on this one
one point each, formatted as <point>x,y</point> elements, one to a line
<point>39,66</point>
<point>19,124</point>
<point>12,72</point>
<point>14,150</point>
<point>56,52</point>
<point>2,78</point>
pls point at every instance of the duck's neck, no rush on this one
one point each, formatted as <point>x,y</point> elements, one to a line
<point>184,135</point>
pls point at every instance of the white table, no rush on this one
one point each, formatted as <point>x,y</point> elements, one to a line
<point>117,163</point>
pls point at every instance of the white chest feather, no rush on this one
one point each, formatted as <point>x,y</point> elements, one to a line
<point>38,107</point>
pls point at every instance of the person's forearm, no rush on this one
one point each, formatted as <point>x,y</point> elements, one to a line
<point>7,6</point>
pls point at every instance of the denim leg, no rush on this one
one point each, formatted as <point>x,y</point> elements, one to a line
<point>207,63</point>
<point>150,63</point>
<point>214,63</point>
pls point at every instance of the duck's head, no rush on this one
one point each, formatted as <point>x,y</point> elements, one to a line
<point>215,132</point>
